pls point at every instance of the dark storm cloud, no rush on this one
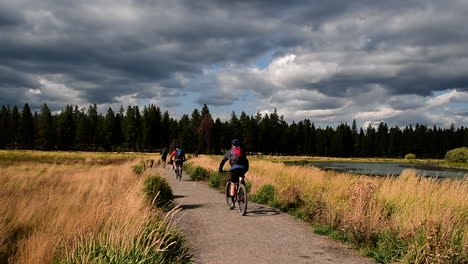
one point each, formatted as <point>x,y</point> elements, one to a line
<point>105,51</point>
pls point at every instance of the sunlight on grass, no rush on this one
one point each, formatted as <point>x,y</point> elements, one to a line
<point>57,212</point>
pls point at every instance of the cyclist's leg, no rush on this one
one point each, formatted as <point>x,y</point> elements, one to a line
<point>234,181</point>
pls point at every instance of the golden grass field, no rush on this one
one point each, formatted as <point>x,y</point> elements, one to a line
<point>427,216</point>
<point>55,205</point>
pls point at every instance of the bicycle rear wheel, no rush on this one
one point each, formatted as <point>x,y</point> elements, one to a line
<point>242,199</point>
<point>226,194</point>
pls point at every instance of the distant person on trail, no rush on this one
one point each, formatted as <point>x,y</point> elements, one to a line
<point>164,153</point>
<point>177,157</point>
<point>239,165</point>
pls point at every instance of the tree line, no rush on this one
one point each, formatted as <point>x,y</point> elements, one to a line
<point>149,129</point>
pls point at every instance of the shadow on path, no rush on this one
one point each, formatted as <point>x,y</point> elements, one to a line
<point>258,210</point>
<point>179,196</point>
<point>191,206</point>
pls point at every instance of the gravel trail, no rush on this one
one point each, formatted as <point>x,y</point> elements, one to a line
<point>263,235</point>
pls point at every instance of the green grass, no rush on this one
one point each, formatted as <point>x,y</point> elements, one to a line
<point>156,243</point>
<point>330,232</point>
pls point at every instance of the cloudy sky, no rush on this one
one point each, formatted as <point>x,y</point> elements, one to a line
<point>400,61</point>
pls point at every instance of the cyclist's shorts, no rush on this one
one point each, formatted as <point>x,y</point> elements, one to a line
<point>179,162</point>
<point>236,173</point>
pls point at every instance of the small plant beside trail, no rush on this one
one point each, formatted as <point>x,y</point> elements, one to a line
<point>265,195</point>
<point>199,173</point>
<point>137,169</point>
<point>157,190</point>
<point>143,166</point>
<point>410,156</point>
<point>153,242</point>
<point>215,180</point>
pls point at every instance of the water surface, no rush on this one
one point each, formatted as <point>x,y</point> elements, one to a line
<point>390,169</point>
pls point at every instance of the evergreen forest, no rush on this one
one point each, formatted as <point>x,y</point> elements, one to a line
<point>150,130</point>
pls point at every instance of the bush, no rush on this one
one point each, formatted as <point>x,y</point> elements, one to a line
<point>265,195</point>
<point>215,180</point>
<point>156,243</point>
<point>199,173</point>
<point>157,186</point>
<point>410,156</point>
<point>389,247</point>
<point>188,168</point>
<point>248,186</point>
<point>137,169</point>
<point>457,155</point>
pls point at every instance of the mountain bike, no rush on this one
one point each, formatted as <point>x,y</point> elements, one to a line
<point>178,170</point>
<point>240,196</point>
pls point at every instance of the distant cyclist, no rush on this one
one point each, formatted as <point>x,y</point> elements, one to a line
<point>177,157</point>
<point>239,165</point>
<point>164,153</point>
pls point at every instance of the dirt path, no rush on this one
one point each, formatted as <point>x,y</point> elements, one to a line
<point>263,235</point>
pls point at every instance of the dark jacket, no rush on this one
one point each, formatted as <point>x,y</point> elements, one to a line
<point>243,163</point>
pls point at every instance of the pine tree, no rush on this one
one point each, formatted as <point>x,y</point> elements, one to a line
<point>14,129</point>
<point>205,131</point>
<point>4,124</point>
<point>66,128</point>
<point>45,128</point>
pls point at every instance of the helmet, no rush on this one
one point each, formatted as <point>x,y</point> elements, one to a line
<point>235,142</point>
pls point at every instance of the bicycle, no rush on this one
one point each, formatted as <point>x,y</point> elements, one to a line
<point>178,170</point>
<point>240,196</point>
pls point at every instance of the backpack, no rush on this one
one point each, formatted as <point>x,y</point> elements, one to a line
<point>237,156</point>
<point>180,154</point>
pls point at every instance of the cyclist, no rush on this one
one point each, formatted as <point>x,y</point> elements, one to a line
<point>164,155</point>
<point>179,156</point>
<point>239,166</point>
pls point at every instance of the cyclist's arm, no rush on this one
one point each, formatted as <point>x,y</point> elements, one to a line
<point>225,158</point>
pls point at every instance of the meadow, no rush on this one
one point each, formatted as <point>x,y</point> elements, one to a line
<point>406,219</point>
<point>78,207</point>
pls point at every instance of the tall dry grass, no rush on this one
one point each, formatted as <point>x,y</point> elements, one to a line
<point>429,218</point>
<point>48,211</point>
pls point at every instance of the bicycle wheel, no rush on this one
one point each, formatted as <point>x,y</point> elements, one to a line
<point>226,194</point>
<point>242,199</point>
<point>180,173</point>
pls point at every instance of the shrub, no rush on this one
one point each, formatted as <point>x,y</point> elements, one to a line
<point>157,186</point>
<point>389,247</point>
<point>248,186</point>
<point>188,168</point>
<point>199,173</point>
<point>410,156</point>
<point>457,155</point>
<point>265,195</point>
<point>215,180</point>
<point>137,169</point>
<point>156,243</point>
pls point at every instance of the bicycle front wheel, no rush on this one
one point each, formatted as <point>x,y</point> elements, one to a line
<point>242,199</point>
